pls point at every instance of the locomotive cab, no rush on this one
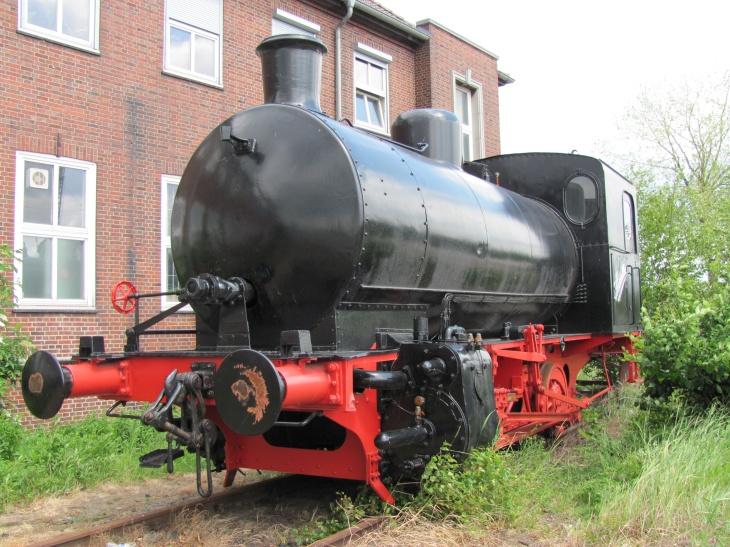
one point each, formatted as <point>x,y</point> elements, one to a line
<point>599,207</point>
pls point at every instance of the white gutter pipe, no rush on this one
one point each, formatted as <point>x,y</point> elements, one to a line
<point>349,4</point>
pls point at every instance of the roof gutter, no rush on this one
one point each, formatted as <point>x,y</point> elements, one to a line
<point>413,32</point>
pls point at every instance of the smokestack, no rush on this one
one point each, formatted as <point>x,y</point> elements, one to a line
<point>291,66</point>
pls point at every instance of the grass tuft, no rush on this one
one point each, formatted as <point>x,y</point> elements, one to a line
<point>61,458</point>
<point>682,491</point>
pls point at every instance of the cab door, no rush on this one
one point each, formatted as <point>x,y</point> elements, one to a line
<point>625,270</point>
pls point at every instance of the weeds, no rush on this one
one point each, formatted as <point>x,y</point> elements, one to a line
<point>61,458</point>
<point>627,475</point>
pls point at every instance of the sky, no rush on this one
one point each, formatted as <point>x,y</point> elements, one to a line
<point>580,65</point>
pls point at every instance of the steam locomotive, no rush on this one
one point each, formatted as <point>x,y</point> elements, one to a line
<point>361,300</point>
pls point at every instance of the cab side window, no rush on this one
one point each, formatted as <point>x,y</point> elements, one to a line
<point>629,224</point>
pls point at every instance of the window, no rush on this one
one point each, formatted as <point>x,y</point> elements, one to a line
<point>193,40</point>
<point>371,93</point>
<point>288,23</point>
<point>69,22</point>
<point>468,108</point>
<point>464,113</point>
<point>54,228</point>
<point>580,199</point>
<point>629,232</point>
<point>169,276</point>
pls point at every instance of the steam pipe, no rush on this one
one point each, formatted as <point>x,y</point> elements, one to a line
<point>349,4</point>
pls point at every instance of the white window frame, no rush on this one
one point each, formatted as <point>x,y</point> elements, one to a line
<point>217,80</point>
<point>466,128</point>
<point>91,45</point>
<point>86,234</point>
<point>299,24</point>
<point>476,111</point>
<point>166,242</point>
<point>383,96</point>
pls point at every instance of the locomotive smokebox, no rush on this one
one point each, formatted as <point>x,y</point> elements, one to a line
<point>437,133</point>
<point>291,67</point>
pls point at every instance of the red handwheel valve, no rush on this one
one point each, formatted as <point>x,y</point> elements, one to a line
<point>124,297</point>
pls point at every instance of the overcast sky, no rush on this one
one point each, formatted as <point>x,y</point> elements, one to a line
<point>578,65</point>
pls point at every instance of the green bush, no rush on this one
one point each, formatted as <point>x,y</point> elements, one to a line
<point>14,344</point>
<point>685,350</point>
<point>11,433</point>
<point>474,488</point>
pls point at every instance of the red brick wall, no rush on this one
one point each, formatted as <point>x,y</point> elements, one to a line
<point>444,54</point>
<point>119,111</point>
<point>72,410</point>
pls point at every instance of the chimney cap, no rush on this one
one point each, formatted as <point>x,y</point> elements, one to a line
<point>287,40</point>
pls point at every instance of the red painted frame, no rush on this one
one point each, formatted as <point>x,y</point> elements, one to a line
<point>321,383</point>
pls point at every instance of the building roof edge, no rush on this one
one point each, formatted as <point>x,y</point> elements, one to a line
<point>504,78</point>
<point>394,22</point>
<point>457,35</point>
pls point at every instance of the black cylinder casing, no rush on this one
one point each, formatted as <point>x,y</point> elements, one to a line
<point>322,215</point>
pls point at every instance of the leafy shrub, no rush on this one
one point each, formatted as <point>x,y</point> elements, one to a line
<point>14,344</point>
<point>10,434</point>
<point>685,350</point>
<point>475,488</point>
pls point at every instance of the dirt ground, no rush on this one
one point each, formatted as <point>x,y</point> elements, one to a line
<point>262,515</point>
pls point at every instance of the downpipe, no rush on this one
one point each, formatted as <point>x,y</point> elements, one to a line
<point>349,4</point>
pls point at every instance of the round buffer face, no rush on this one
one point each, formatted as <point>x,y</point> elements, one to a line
<point>248,391</point>
<point>44,385</point>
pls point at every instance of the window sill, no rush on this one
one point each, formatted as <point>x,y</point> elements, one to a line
<point>186,309</point>
<point>191,78</point>
<point>371,129</point>
<point>58,40</point>
<point>47,309</point>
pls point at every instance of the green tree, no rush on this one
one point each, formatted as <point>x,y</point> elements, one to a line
<point>682,168</point>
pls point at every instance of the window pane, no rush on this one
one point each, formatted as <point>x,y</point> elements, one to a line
<point>172,282</point>
<point>70,269</point>
<point>283,27</point>
<point>43,13</point>
<point>205,56</point>
<point>38,196</point>
<point>361,72</point>
<point>71,194</point>
<point>377,77</point>
<point>361,110</point>
<point>36,265</point>
<point>462,106</point>
<point>376,114</point>
<point>581,199</point>
<point>466,147</point>
<point>171,189</point>
<point>76,18</point>
<point>629,239</point>
<point>179,54</point>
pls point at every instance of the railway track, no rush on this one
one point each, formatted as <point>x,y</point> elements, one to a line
<point>346,536</point>
<point>252,513</point>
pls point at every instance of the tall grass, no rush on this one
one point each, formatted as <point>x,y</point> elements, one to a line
<point>64,457</point>
<point>682,491</point>
<point>627,476</point>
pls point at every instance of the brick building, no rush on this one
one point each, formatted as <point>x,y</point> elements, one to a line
<point>102,103</point>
